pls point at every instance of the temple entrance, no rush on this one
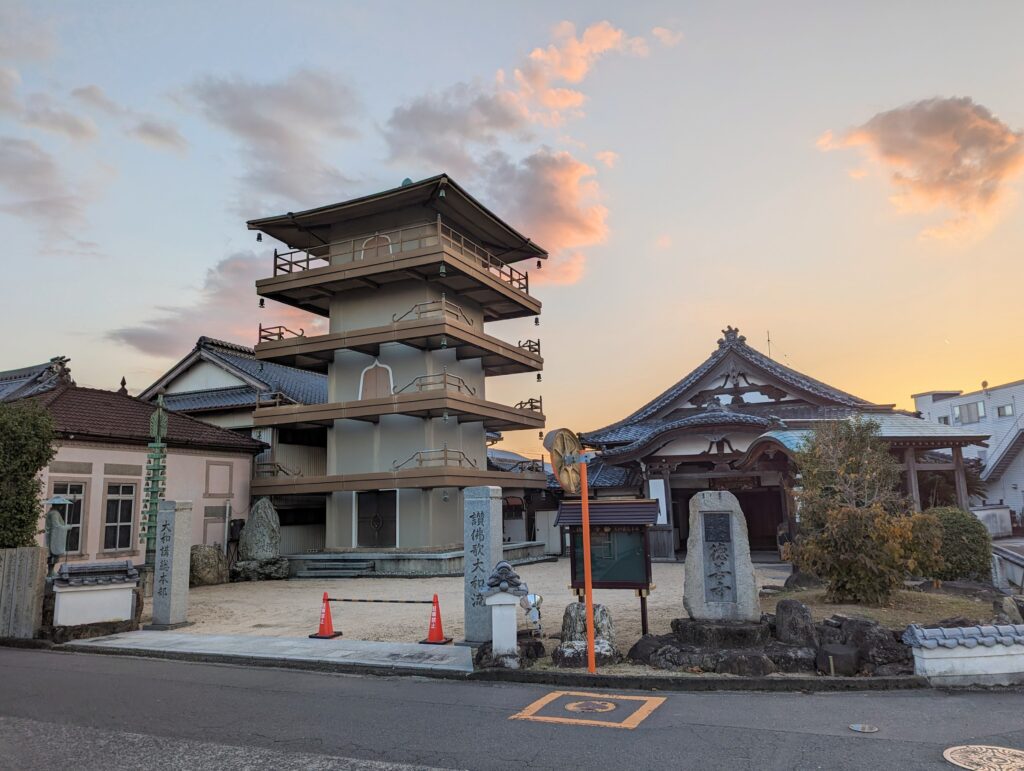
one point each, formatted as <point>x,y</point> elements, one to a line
<point>762,509</point>
<point>377,518</point>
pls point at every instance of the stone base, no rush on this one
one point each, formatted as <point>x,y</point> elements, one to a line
<point>166,627</point>
<point>529,651</point>
<point>573,654</point>
<point>721,634</point>
<point>260,570</point>
<point>668,652</point>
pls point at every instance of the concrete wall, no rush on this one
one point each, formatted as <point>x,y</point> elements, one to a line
<point>205,478</point>
<point>998,665</point>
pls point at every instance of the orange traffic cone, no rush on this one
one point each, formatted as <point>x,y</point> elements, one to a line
<point>435,635</point>
<point>326,626</point>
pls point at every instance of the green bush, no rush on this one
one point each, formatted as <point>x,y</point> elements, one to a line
<point>26,447</point>
<point>966,546</point>
<point>861,553</point>
<point>925,548</point>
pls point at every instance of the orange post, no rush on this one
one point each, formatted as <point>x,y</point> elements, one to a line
<point>588,589</point>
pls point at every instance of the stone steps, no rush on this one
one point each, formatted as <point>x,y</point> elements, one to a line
<point>335,569</point>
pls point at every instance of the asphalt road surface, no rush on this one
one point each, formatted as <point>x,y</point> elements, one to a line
<point>64,710</point>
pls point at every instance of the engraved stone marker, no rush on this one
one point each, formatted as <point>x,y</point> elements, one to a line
<point>170,585</point>
<point>719,583</point>
<point>482,545</point>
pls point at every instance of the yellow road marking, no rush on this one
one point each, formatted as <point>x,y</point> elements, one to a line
<point>648,705</point>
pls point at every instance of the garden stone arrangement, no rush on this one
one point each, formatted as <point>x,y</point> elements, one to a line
<point>572,652</point>
<point>259,545</point>
<point>787,641</point>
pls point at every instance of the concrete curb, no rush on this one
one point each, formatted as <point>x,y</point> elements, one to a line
<point>569,679</point>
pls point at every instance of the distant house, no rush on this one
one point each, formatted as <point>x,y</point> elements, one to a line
<point>997,411</point>
<point>222,383</point>
<point>101,458</point>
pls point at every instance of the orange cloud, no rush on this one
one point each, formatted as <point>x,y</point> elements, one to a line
<point>608,157</point>
<point>553,197</point>
<point>663,242</point>
<point>950,154</point>
<point>225,307</point>
<point>667,37</point>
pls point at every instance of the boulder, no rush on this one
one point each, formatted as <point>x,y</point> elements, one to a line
<point>721,634</point>
<point>573,654</point>
<point>838,659</point>
<point>791,658</point>
<point>261,535</point>
<point>260,570</point>
<point>745,663</point>
<point>875,644</point>
<point>800,581</point>
<point>1008,607</point>
<point>682,659</point>
<point>893,670</point>
<point>574,623</point>
<point>829,634</point>
<point>529,651</point>
<point>207,566</point>
<point>645,646</point>
<point>794,625</point>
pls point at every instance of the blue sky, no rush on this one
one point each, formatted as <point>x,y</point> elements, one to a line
<point>682,179</point>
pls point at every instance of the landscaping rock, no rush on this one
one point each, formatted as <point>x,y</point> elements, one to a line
<point>261,535</point>
<point>645,646</point>
<point>829,634</point>
<point>875,644</point>
<point>803,581</point>
<point>260,570</point>
<point>892,670</point>
<point>207,566</point>
<point>794,625</point>
<point>574,623</point>
<point>744,663</point>
<point>1008,607</point>
<point>721,634</point>
<point>573,654</point>
<point>529,651</point>
<point>838,659</point>
<point>791,658</point>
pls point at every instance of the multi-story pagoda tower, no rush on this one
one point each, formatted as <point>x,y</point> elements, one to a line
<point>409,279</point>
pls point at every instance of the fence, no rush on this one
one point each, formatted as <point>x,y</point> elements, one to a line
<point>22,580</point>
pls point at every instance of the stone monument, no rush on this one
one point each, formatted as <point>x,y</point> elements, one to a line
<point>719,576</point>
<point>502,595</point>
<point>259,546</point>
<point>482,547</point>
<point>170,585</point>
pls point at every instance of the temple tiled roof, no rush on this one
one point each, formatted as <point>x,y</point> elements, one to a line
<point>28,381</point>
<point>650,429</point>
<point>731,342</point>
<point>603,475</point>
<point>212,399</point>
<point>90,414</point>
<point>299,385</point>
<point>967,636</point>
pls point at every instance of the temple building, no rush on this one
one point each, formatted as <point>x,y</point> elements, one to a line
<point>735,423</point>
<point>408,279</point>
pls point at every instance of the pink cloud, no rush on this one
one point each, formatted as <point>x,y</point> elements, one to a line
<point>663,242</point>
<point>225,307</point>
<point>950,154</point>
<point>667,37</point>
<point>608,157</point>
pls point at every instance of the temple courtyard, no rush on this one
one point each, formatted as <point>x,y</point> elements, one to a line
<point>292,608</point>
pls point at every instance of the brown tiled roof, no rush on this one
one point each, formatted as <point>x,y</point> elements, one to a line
<point>90,413</point>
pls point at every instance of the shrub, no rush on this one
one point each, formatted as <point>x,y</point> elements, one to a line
<point>862,553</point>
<point>26,446</point>
<point>966,546</point>
<point>924,557</point>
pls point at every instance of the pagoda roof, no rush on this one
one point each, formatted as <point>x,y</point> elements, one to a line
<point>439,194</point>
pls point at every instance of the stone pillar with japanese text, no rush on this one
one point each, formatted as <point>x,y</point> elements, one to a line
<point>482,544</point>
<point>173,547</point>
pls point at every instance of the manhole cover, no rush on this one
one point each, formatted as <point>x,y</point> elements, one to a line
<point>981,757</point>
<point>864,728</point>
<point>590,706</point>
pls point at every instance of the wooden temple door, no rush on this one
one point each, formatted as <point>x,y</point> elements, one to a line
<point>762,509</point>
<point>376,383</point>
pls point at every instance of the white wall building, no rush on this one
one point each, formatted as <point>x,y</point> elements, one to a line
<point>999,412</point>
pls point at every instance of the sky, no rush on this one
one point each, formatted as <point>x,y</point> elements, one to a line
<point>845,178</point>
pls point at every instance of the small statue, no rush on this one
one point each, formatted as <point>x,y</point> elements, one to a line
<point>505,579</point>
<point>56,536</point>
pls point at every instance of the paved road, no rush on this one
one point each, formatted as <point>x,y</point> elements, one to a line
<point>63,710</point>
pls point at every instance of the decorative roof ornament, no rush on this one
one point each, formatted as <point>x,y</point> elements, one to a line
<point>732,337</point>
<point>505,579</point>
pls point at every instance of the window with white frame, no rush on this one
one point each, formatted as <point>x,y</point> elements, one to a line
<point>71,512</point>
<point>117,527</point>
<point>1004,411</point>
<point>944,419</point>
<point>969,413</point>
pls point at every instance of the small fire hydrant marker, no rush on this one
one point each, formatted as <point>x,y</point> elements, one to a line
<point>602,709</point>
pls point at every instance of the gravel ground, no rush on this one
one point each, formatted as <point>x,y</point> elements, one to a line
<point>292,608</point>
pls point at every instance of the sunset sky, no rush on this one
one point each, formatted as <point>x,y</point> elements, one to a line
<point>847,177</point>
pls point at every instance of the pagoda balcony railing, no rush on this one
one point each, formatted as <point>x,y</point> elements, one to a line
<point>535,404</point>
<point>273,399</point>
<point>387,243</point>
<point>526,465</point>
<point>533,346</point>
<point>443,381</point>
<point>441,457</point>
<point>279,332</point>
<point>273,469</point>
<point>443,308</point>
